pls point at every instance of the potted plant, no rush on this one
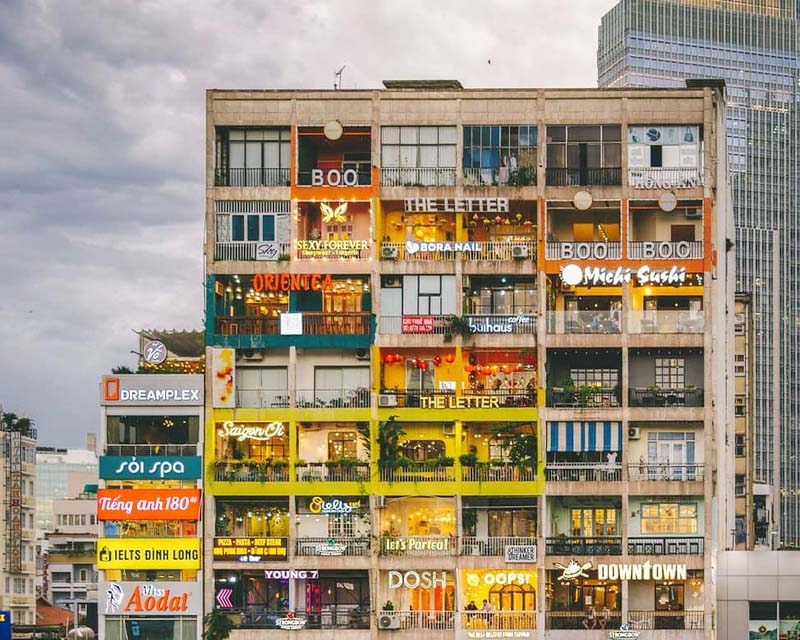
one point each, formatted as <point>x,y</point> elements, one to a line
<point>457,325</point>
<point>217,625</point>
<point>468,459</point>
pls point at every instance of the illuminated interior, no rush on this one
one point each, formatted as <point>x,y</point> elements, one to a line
<point>418,517</point>
<point>265,517</point>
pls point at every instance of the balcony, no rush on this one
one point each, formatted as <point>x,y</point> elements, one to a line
<point>416,325</point>
<point>262,398</point>
<point>563,177</point>
<point>357,398</point>
<point>578,621</point>
<point>583,397</point>
<point>498,472</point>
<point>314,323</point>
<point>666,472</point>
<point>151,450</point>
<point>665,620</point>
<point>418,177</point>
<point>473,251</point>
<point>432,620</point>
<point>499,177</point>
<point>583,472</point>
<point>656,250</point>
<point>257,177</point>
<point>330,617</point>
<point>484,546</point>
<point>249,251</point>
<point>672,546</point>
<point>518,324</point>
<point>418,546</point>
<point>584,322</point>
<point>666,322</point>
<point>508,620</point>
<point>321,546</point>
<point>583,250</point>
<point>416,472</point>
<point>235,471</point>
<point>665,178</point>
<point>427,399</point>
<point>598,546</point>
<point>658,397</point>
<point>341,471</point>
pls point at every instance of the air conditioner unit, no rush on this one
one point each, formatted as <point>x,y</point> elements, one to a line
<point>634,433</point>
<point>520,251</point>
<point>386,621</point>
<point>389,253</point>
<point>252,354</point>
<point>449,429</point>
<point>380,502</point>
<point>362,354</point>
<point>694,212</point>
<point>391,282</point>
<point>387,400</point>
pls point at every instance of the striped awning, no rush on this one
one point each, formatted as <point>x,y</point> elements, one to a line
<point>584,436</point>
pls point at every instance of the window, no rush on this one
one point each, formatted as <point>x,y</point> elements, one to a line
<point>605,378</point>
<point>342,444</point>
<point>739,485</point>
<point>738,326</point>
<point>740,406</point>
<point>336,378</point>
<point>500,448</point>
<point>261,387</point>
<point>252,518</point>
<point>739,364</point>
<point>418,147</point>
<point>429,295</point>
<point>668,517</point>
<point>500,154</point>
<point>584,147</point>
<point>252,221</point>
<point>741,445</point>
<point>259,148</point>
<point>512,523</point>
<point>341,525</point>
<point>423,450</point>
<point>594,522</point>
<point>675,146</point>
<point>670,373</point>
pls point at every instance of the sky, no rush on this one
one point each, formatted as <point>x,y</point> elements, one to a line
<point>102,149</point>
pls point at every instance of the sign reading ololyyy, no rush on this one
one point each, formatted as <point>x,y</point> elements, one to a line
<point>244,432</point>
<point>148,504</point>
<point>573,275</point>
<point>466,205</point>
<point>150,468</point>
<point>151,598</point>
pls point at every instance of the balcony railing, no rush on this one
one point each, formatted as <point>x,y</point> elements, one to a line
<point>665,178</point>
<point>485,399</point>
<point>498,472</point>
<point>257,177</point>
<point>420,546</point>
<point>418,177</point>
<point>333,398</point>
<point>480,546</point>
<point>244,250</point>
<point>666,321</point>
<point>250,472</point>
<point>262,398</point>
<point>419,619</point>
<point>583,472</point>
<point>658,250</point>
<point>668,546</point>
<point>329,617</point>
<point>499,177</point>
<point>417,473</point>
<point>676,397</point>
<point>151,450</point>
<point>598,546</point>
<point>574,322</point>
<point>519,323</point>
<point>343,546</point>
<point>583,250</point>
<point>488,252</point>
<point>314,324</point>
<point>438,325</point>
<point>665,471</point>
<point>498,620</point>
<point>332,472</point>
<point>588,397</point>
<point>665,620</point>
<point>580,621</point>
<point>562,177</point>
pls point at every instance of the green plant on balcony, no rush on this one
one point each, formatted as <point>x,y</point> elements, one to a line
<point>468,459</point>
<point>456,325</point>
<point>523,451</point>
<point>585,394</point>
<point>653,397</point>
<point>445,461</point>
<point>217,625</point>
<point>389,433</point>
<point>469,521</point>
<point>222,525</point>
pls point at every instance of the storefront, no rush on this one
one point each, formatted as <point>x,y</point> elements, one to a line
<point>418,526</point>
<point>501,295</point>
<point>252,517</point>
<point>578,599</point>
<point>251,451</point>
<point>674,601</point>
<point>333,526</point>
<point>333,230</point>
<point>510,376</point>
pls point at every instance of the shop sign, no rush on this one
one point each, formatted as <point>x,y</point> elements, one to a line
<point>623,634</point>
<point>412,247</point>
<point>394,545</point>
<point>152,598</point>
<point>148,553</point>
<point>459,402</point>
<point>290,622</point>
<point>483,325</point>
<point>330,548</point>
<point>666,250</point>
<point>417,580</point>
<point>331,248</point>
<point>645,571</point>
<point>154,352</point>
<point>150,468</point>
<point>520,553</point>
<point>494,634</point>
<point>500,578</point>
<point>148,504</point>
<point>416,324</point>
<point>588,250</point>
<point>334,506</point>
<point>291,324</point>
<point>572,570</point>
<point>223,378</point>
<point>334,178</point>
<point>268,251</point>
<point>152,389</point>
<point>246,432</point>
<point>250,549</point>
<point>656,178</point>
<point>573,275</point>
<point>5,625</point>
<point>286,282</point>
<point>291,574</point>
<point>467,205</point>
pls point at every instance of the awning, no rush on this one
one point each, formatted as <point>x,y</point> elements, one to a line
<point>584,436</point>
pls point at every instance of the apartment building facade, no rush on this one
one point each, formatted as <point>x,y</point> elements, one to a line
<point>467,360</point>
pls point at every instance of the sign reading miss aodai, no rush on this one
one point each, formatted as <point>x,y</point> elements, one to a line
<point>151,598</point>
<point>573,275</point>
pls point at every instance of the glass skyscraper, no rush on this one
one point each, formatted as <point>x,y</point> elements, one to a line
<point>753,46</point>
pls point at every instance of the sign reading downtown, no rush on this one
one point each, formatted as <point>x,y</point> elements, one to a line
<point>148,553</point>
<point>150,467</point>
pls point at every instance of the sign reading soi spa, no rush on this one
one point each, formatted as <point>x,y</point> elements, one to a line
<point>148,504</point>
<point>152,389</point>
<point>150,467</point>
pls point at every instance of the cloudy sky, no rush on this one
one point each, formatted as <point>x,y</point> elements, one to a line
<point>101,149</point>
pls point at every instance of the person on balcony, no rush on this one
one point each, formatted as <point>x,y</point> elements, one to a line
<point>605,617</point>
<point>590,621</point>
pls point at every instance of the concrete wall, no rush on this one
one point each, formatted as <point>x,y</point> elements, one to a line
<point>642,368</point>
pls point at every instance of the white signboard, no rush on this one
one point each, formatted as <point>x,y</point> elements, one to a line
<point>150,598</point>
<point>268,251</point>
<point>291,324</point>
<point>520,553</point>
<point>573,275</point>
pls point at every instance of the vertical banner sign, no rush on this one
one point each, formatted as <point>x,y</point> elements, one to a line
<point>5,625</point>
<point>223,379</point>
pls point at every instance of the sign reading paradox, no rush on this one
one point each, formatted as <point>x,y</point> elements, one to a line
<point>573,275</point>
<point>467,205</point>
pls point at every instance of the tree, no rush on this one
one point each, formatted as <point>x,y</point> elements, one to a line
<point>217,625</point>
<point>13,422</point>
<point>121,369</point>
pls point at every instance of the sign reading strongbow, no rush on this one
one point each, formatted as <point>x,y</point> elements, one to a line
<point>151,598</point>
<point>285,282</point>
<point>150,467</point>
<point>148,553</point>
<point>459,402</point>
<point>468,205</point>
<point>252,432</point>
<point>148,504</point>
<point>250,549</point>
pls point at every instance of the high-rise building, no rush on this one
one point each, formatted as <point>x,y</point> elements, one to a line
<point>467,374</point>
<point>61,474</point>
<point>753,47</point>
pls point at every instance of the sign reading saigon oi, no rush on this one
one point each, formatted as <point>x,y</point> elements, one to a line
<point>150,468</point>
<point>148,504</point>
<point>150,598</point>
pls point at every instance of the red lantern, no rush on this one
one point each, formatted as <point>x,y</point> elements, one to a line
<point>519,367</point>
<point>531,360</point>
<point>437,361</point>
<point>398,357</point>
<point>388,358</point>
<point>423,364</point>
<point>507,368</point>
<point>450,358</point>
<point>414,362</point>
<point>486,369</point>
<point>495,369</point>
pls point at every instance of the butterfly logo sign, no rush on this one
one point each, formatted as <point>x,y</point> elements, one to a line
<point>329,214</point>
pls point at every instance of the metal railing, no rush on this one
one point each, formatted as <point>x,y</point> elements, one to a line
<point>577,322</point>
<point>665,620</point>
<point>499,177</point>
<point>596,546</point>
<point>314,323</point>
<point>418,177</point>
<point>519,323</point>
<point>328,617</point>
<point>394,325</point>
<point>676,397</point>
<point>417,619</point>
<point>666,546</point>
<point>422,546</point>
<point>243,250</point>
<point>505,250</point>
<point>583,250</point>
<point>677,250</point>
<point>417,473</point>
<point>495,251</point>
<point>588,397</point>
<point>498,620</point>
<point>582,621</point>
<point>480,546</point>
<point>333,398</point>
<point>325,546</point>
<point>665,471</point>
<point>256,177</point>
<point>149,529</point>
<point>583,472</point>
<point>498,472</point>
<point>665,177</point>
<point>261,398</point>
<point>250,472</point>
<point>666,321</point>
<point>151,450</point>
<point>563,177</point>
<point>507,397</point>
<point>332,472</point>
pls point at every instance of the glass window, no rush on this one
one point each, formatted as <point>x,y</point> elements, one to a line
<point>418,147</point>
<point>262,517</point>
<point>669,517</point>
<point>422,450</point>
<point>670,373</point>
<point>594,522</point>
<point>342,444</point>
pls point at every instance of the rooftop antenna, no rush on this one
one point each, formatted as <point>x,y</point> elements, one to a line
<point>337,82</point>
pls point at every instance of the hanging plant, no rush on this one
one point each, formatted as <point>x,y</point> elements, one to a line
<point>457,326</point>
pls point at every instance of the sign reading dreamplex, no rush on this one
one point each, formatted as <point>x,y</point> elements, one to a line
<point>156,389</point>
<point>150,598</point>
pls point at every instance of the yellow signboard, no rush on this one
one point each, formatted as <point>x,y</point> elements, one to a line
<point>148,553</point>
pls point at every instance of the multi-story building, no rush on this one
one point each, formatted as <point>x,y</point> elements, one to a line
<point>753,46</point>
<point>148,506</point>
<point>17,551</point>
<point>62,474</point>
<point>467,375</point>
